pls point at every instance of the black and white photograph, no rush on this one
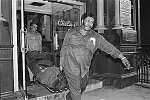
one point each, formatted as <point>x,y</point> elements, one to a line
<point>74,50</point>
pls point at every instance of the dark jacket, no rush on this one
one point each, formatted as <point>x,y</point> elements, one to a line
<point>77,50</point>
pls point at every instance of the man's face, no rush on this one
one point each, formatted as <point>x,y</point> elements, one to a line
<point>34,27</point>
<point>88,23</point>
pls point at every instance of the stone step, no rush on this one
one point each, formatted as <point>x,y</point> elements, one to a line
<point>93,84</point>
<point>55,96</point>
<point>38,92</point>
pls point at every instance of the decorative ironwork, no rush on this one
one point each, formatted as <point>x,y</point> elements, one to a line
<point>143,67</point>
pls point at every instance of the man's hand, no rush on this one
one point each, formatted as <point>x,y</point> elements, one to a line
<point>126,63</point>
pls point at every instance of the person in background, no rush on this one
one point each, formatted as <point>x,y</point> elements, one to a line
<point>77,52</point>
<point>34,39</point>
<point>33,43</point>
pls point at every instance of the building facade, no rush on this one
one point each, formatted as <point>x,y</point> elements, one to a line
<point>117,20</point>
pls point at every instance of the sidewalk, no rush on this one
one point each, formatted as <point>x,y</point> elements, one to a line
<point>133,92</point>
<point>95,91</point>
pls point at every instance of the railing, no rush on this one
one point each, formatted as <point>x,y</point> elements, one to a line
<point>143,67</point>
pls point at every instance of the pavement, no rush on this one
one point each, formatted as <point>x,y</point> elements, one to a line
<point>133,92</point>
<point>94,91</point>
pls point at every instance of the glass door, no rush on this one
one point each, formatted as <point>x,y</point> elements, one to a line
<point>65,16</point>
<point>53,20</point>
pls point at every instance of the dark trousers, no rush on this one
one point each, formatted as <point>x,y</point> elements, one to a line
<point>76,85</point>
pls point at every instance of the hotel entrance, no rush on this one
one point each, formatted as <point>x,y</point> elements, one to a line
<point>53,19</point>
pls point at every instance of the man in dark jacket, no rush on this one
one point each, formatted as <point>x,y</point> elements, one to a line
<point>77,52</point>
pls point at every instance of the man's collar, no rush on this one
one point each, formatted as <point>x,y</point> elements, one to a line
<point>87,32</point>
